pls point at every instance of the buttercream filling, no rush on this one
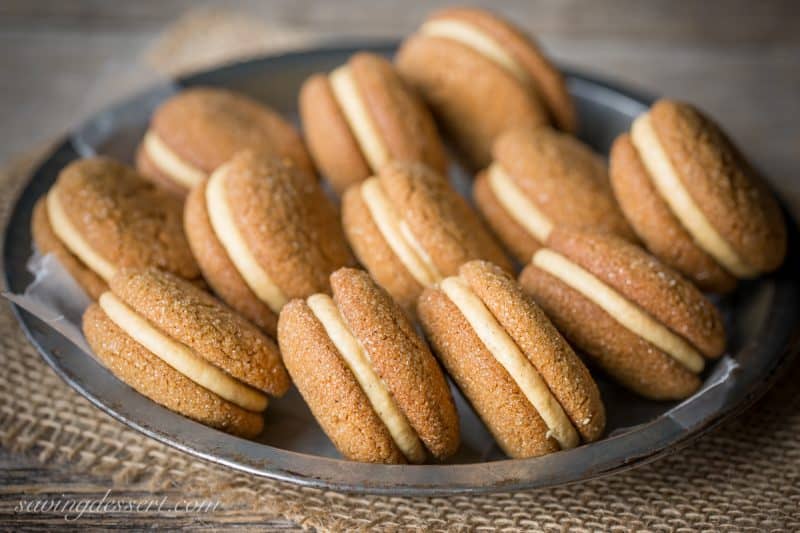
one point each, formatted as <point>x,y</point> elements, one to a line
<point>171,163</point>
<point>479,41</point>
<point>346,94</point>
<point>627,313</point>
<point>357,359</point>
<point>73,240</point>
<point>226,230</point>
<point>398,235</point>
<point>181,357</point>
<point>517,204</point>
<point>503,348</point>
<point>681,203</point>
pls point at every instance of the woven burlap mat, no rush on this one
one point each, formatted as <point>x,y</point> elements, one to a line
<point>742,476</point>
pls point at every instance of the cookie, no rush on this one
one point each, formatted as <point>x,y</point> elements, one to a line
<point>361,116</point>
<point>369,379</point>
<point>638,319</point>
<point>481,75</point>
<point>541,178</point>
<point>694,200</point>
<point>199,129</point>
<point>521,377</point>
<point>100,216</point>
<point>183,349</point>
<point>264,232</point>
<point>410,229</point>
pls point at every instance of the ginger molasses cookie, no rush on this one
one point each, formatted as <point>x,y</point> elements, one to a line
<point>541,178</point>
<point>263,233</point>
<point>410,229</point>
<point>638,319</point>
<point>694,200</point>
<point>198,129</point>
<point>523,379</point>
<point>101,215</point>
<point>183,349</point>
<point>367,376</point>
<point>481,75</point>
<point>362,115</point>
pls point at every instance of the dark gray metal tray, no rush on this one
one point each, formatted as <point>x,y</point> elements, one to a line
<point>761,316</point>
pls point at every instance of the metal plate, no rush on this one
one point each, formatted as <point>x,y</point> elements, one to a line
<point>761,317</point>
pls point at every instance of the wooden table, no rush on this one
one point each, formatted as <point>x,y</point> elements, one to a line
<point>740,60</point>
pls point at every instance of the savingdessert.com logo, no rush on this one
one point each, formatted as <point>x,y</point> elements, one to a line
<point>75,509</point>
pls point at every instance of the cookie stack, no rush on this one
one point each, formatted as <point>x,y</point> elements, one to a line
<point>224,269</point>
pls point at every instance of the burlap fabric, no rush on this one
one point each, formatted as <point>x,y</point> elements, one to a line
<point>742,476</point>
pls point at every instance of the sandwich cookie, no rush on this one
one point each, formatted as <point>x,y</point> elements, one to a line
<point>539,179</point>
<point>264,232</point>
<point>481,75</point>
<point>694,200</point>
<point>362,115</point>
<point>198,129</point>
<point>101,216</point>
<point>524,381</point>
<point>367,376</point>
<point>638,319</point>
<point>410,229</point>
<point>183,349</point>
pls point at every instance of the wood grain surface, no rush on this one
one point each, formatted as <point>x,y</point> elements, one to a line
<point>738,59</point>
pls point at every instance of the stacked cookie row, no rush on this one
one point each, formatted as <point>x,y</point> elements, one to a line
<point>223,242</point>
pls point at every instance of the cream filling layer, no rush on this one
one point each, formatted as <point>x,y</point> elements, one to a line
<point>181,357</point>
<point>170,163</point>
<point>627,313</point>
<point>398,235</point>
<point>357,358</point>
<point>224,226</point>
<point>671,189</point>
<point>518,205</point>
<point>346,93</point>
<point>478,40</point>
<point>508,354</point>
<point>73,240</point>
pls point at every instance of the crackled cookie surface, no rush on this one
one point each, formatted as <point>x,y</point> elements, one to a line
<point>641,321</point>
<point>198,129</point>
<point>694,200</point>
<point>367,376</point>
<point>263,233</point>
<point>410,229</point>
<point>539,179</point>
<point>519,374</point>
<point>462,58</point>
<point>360,116</point>
<point>101,216</point>
<point>183,349</point>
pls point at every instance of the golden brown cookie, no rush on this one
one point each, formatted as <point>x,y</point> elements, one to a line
<point>185,350</point>
<point>199,129</point>
<point>539,179</point>
<point>367,376</point>
<point>361,116</point>
<point>481,75</point>
<point>410,229</point>
<point>694,200</point>
<point>641,321</point>
<point>263,233</point>
<point>523,379</point>
<point>48,243</point>
<point>101,216</point>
